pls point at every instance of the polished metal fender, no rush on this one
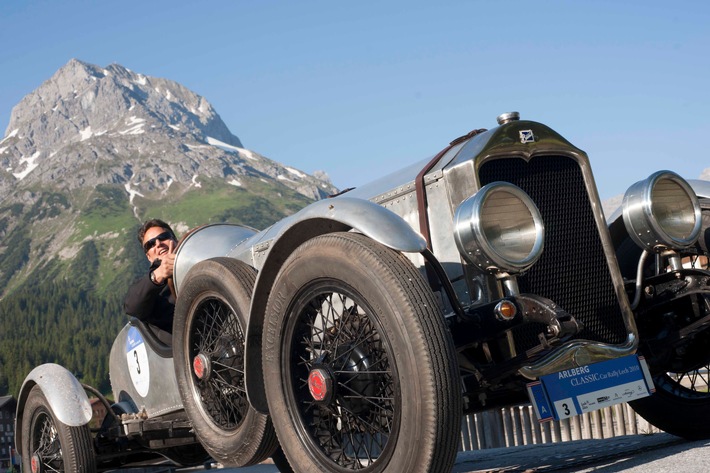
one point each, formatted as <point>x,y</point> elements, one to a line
<point>325,216</point>
<point>373,220</point>
<point>207,242</point>
<point>64,393</point>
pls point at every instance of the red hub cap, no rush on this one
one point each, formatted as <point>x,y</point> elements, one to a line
<point>320,384</point>
<point>201,366</point>
<point>35,464</point>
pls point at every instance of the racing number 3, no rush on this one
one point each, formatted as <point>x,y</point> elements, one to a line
<point>565,406</point>
<point>138,366</point>
<point>138,363</point>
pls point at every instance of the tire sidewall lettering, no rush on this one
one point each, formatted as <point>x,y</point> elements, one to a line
<point>273,325</point>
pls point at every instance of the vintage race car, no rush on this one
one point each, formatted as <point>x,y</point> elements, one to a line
<point>360,329</point>
<point>145,426</point>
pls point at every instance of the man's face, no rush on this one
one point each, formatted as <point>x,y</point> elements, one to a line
<point>158,241</point>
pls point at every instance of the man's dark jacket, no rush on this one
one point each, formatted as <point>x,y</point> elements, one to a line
<point>151,303</point>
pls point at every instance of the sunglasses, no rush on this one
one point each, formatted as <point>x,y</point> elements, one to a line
<point>148,245</point>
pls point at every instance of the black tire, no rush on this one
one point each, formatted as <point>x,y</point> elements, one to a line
<point>210,321</point>
<point>50,444</point>
<point>679,406</point>
<point>681,403</point>
<point>358,319</point>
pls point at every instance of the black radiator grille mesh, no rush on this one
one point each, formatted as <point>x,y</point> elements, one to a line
<point>572,270</point>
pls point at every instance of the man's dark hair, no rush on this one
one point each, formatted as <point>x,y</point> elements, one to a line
<point>155,222</point>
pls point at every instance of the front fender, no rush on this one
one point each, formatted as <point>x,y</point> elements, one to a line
<point>64,393</point>
<point>375,221</point>
<point>325,216</point>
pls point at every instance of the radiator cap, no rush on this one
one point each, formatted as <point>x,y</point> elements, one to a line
<point>507,117</point>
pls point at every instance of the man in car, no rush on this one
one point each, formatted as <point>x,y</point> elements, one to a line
<point>150,299</point>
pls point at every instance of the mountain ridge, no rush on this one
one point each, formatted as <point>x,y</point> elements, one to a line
<point>94,150</point>
<point>91,108</point>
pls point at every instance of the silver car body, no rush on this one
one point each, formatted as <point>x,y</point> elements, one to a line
<point>388,210</point>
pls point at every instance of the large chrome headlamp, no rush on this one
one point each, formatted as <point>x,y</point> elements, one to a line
<point>662,212</point>
<point>499,229</point>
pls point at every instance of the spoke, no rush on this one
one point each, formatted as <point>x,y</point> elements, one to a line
<point>362,436</point>
<point>336,332</point>
<point>217,335</point>
<point>48,448</point>
<point>696,381</point>
<point>345,356</point>
<point>223,385</point>
<point>364,423</point>
<point>344,320</point>
<point>226,368</point>
<point>353,442</point>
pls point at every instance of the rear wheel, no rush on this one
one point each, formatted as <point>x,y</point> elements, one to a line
<point>681,403</point>
<point>48,444</point>
<point>358,365</point>
<point>210,321</point>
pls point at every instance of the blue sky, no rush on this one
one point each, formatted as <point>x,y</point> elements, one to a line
<point>363,88</point>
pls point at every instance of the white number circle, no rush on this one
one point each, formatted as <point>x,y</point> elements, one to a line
<point>137,359</point>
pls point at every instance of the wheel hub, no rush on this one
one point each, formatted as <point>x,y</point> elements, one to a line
<point>36,464</point>
<point>320,385</point>
<point>202,367</point>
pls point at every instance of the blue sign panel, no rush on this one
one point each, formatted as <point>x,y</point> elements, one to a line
<point>591,387</point>
<point>540,402</point>
<point>133,339</point>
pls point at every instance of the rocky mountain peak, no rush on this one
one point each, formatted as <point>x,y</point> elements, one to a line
<point>82,96</point>
<point>94,151</point>
<point>90,125</point>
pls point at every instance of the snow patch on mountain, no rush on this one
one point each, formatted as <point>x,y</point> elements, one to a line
<point>167,185</point>
<point>236,149</point>
<point>131,194</point>
<point>295,172</point>
<point>135,126</point>
<point>222,145</point>
<point>12,134</point>
<point>281,177</point>
<point>30,163</point>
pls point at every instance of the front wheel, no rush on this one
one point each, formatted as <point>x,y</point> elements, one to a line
<point>681,403</point>
<point>50,445</point>
<point>358,365</point>
<point>210,322</point>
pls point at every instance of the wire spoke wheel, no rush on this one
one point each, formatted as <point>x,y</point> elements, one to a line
<point>345,388</point>
<point>216,348</point>
<point>208,338</point>
<point>690,385</point>
<point>46,454</point>
<point>681,402</point>
<point>358,366</point>
<point>51,446</point>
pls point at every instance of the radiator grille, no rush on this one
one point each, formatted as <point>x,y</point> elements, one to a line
<point>572,270</point>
